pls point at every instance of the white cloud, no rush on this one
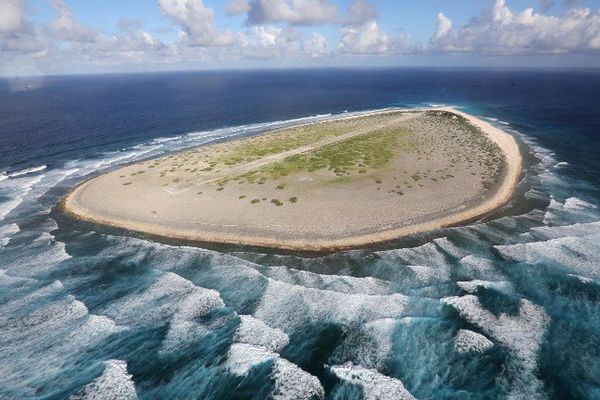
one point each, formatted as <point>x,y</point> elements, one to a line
<point>294,12</point>
<point>444,25</point>
<point>236,7</point>
<point>128,47</point>
<point>361,11</point>
<point>11,16</point>
<point>273,32</point>
<point>17,35</point>
<point>197,22</point>
<point>315,46</point>
<point>272,42</point>
<point>66,28</point>
<point>367,38</point>
<point>361,34</point>
<point>501,13</point>
<point>268,41</point>
<point>500,31</point>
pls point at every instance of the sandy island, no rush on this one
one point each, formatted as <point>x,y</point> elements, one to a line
<point>331,185</point>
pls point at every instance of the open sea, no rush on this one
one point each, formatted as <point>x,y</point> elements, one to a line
<point>505,308</point>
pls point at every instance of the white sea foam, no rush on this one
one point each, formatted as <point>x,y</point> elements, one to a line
<point>169,296</point>
<point>95,328</point>
<point>435,105</point>
<point>481,268</point>
<point>291,382</point>
<point>27,171</point>
<point>48,317</point>
<point>428,254</point>
<point>166,139</point>
<point>243,356</point>
<point>15,304</point>
<point>574,203</point>
<point>580,255</point>
<point>521,333</point>
<point>255,332</point>
<point>6,231</point>
<point>376,386</point>
<point>114,383</point>
<point>184,329</point>
<point>37,257</point>
<point>582,279</point>
<point>471,286</point>
<point>536,194</point>
<point>7,280</point>
<point>428,262</point>
<point>370,345</point>
<point>288,306</point>
<point>572,210</point>
<point>424,274</point>
<point>7,206</point>
<point>450,248</point>
<point>16,189</point>
<point>182,334</point>
<point>555,232</point>
<point>467,341</point>
<point>338,283</point>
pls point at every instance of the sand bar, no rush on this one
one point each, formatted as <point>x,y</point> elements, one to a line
<point>338,184</point>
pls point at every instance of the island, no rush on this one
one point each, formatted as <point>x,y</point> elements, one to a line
<point>336,184</point>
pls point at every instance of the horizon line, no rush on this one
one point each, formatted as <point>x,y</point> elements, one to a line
<point>311,68</point>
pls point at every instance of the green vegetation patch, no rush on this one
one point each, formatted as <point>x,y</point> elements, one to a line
<point>287,139</point>
<point>370,151</point>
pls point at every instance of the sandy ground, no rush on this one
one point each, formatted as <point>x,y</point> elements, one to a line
<point>436,179</point>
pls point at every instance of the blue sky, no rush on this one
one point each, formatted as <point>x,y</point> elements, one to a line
<point>73,36</point>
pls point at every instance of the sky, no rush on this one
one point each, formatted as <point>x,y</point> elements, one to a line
<point>40,37</point>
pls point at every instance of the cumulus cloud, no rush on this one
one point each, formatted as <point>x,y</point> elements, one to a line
<point>268,41</point>
<point>128,47</point>
<point>274,42</point>
<point>361,11</point>
<point>17,35</point>
<point>361,34</point>
<point>277,29</point>
<point>11,16</point>
<point>197,22</point>
<point>315,46</point>
<point>293,12</point>
<point>367,38</point>
<point>444,25</point>
<point>500,31</point>
<point>66,28</point>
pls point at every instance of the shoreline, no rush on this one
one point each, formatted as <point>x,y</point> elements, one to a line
<point>504,190</point>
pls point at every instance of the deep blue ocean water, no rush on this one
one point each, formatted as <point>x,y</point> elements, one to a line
<point>507,307</point>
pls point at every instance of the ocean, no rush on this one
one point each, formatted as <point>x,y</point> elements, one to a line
<point>507,307</point>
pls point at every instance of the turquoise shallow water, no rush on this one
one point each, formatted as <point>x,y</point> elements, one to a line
<point>507,307</point>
